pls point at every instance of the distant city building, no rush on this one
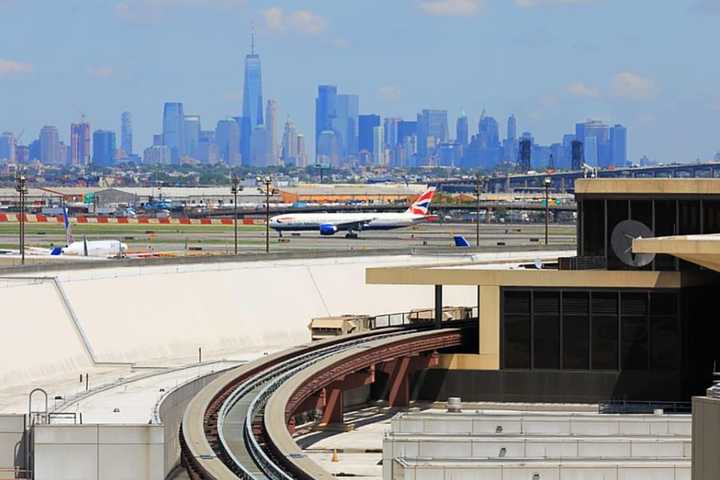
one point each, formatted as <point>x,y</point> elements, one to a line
<point>157,155</point>
<point>49,143</point>
<point>406,128</point>
<point>252,102</point>
<point>34,151</point>
<point>488,132</point>
<point>192,130</point>
<point>8,147</point>
<point>449,154</point>
<point>595,136</point>
<point>432,130</point>
<point>345,125</point>
<point>104,147</point>
<point>618,146</point>
<point>301,151</point>
<point>379,145</point>
<point>366,126</point>
<point>22,154</point>
<point>577,155</point>
<point>327,149</point>
<point>390,128</point>
<point>462,130</point>
<point>590,150</point>
<point>207,148</point>
<point>512,128</point>
<point>227,138</point>
<point>80,146</point>
<point>272,154</point>
<point>126,133</point>
<point>174,129</point>
<point>260,146</point>
<point>158,139</point>
<point>289,154</point>
<point>525,154</point>
<point>325,112</point>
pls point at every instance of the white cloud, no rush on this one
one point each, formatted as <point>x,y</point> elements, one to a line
<point>633,86</point>
<point>299,21</point>
<point>11,68</point>
<point>580,89</point>
<point>550,3</point>
<point>100,71</point>
<point>390,93</point>
<point>452,8</point>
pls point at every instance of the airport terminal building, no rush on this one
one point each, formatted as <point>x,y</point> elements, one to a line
<point>611,323</point>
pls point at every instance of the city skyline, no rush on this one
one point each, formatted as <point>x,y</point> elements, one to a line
<point>595,74</point>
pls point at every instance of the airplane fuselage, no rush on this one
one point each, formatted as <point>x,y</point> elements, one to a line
<point>344,221</point>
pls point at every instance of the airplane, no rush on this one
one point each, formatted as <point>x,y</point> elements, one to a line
<point>92,248</point>
<point>352,223</point>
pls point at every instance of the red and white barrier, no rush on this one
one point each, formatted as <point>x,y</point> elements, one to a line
<point>140,220</point>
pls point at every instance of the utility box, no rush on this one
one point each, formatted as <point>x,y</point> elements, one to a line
<point>329,327</point>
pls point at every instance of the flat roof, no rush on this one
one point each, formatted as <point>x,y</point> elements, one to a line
<point>702,249</point>
<point>460,275</point>
<point>648,186</point>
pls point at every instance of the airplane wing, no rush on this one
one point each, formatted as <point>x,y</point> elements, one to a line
<point>356,224</point>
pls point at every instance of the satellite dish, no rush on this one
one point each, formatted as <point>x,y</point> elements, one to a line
<point>621,240</point>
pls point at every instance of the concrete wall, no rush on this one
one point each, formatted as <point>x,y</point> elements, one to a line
<point>153,314</point>
<point>170,413</point>
<point>12,448</point>
<point>94,452</point>
<point>706,438</point>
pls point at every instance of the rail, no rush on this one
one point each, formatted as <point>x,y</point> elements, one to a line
<point>206,451</point>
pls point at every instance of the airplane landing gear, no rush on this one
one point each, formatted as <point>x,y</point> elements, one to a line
<point>351,235</point>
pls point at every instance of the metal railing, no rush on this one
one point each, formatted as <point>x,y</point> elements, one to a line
<point>639,407</point>
<point>422,317</point>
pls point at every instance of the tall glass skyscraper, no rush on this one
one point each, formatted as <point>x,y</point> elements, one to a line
<point>80,143</point>
<point>252,101</point>
<point>126,134</point>
<point>103,147</point>
<point>173,129</point>
<point>192,135</point>
<point>462,130</point>
<point>325,112</point>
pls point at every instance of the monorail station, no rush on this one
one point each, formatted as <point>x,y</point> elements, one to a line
<point>628,318</point>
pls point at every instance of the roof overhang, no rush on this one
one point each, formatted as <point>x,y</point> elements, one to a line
<point>702,250</point>
<point>648,186</point>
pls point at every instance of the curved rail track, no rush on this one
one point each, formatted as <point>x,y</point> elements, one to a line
<point>237,427</point>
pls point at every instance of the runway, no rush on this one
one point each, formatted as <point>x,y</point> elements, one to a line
<point>219,239</point>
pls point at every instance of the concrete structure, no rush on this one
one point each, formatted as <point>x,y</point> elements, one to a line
<point>706,436</point>
<point>98,452</point>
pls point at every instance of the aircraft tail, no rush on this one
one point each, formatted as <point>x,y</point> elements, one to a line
<point>422,204</point>
<point>460,242</point>
<point>68,226</point>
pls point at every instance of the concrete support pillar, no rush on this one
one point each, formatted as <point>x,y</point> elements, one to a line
<point>438,306</point>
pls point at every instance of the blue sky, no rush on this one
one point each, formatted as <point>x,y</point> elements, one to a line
<point>649,64</point>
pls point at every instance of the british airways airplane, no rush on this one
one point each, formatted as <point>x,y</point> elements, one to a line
<point>331,223</point>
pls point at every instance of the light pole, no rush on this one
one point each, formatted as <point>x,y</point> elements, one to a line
<point>234,189</point>
<point>548,182</point>
<point>478,189</point>
<point>267,181</point>
<point>21,188</point>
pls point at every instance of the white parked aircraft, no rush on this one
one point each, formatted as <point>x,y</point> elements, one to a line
<point>92,248</point>
<point>331,223</point>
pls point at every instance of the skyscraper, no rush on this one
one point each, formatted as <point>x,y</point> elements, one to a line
<point>379,145</point>
<point>524,155</point>
<point>489,132</point>
<point>289,144</point>
<point>327,148</point>
<point>390,127</point>
<point>462,130</point>
<point>8,147</point>
<point>618,146</point>
<point>174,129</point>
<point>103,148</point>
<point>577,155</point>
<point>366,124</point>
<point>325,111</point>
<point>272,149</point>
<point>345,124</point>
<point>595,136</point>
<point>126,134</point>
<point>157,155</point>
<point>227,138</point>
<point>50,146</point>
<point>432,130</point>
<point>252,100</point>
<point>192,129</point>
<point>80,143</point>
<point>406,128</point>
<point>512,128</point>
<point>302,154</point>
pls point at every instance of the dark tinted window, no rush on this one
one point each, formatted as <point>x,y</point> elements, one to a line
<point>593,225</point>
<point>517,341</point>
<point>576,342</point>
<point>546,346</point>
<point>605,342</point>
<point>634,343</point>
<point>665,226</point>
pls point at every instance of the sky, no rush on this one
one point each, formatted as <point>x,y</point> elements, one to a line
<point>648,64</point>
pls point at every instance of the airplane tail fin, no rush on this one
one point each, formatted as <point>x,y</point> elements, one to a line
<point>68,227</point>
<point>460,242</point>
<point>56,251</point>
<point>422,204</point>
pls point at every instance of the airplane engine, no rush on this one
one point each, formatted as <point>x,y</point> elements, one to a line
<point>328,229</point>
